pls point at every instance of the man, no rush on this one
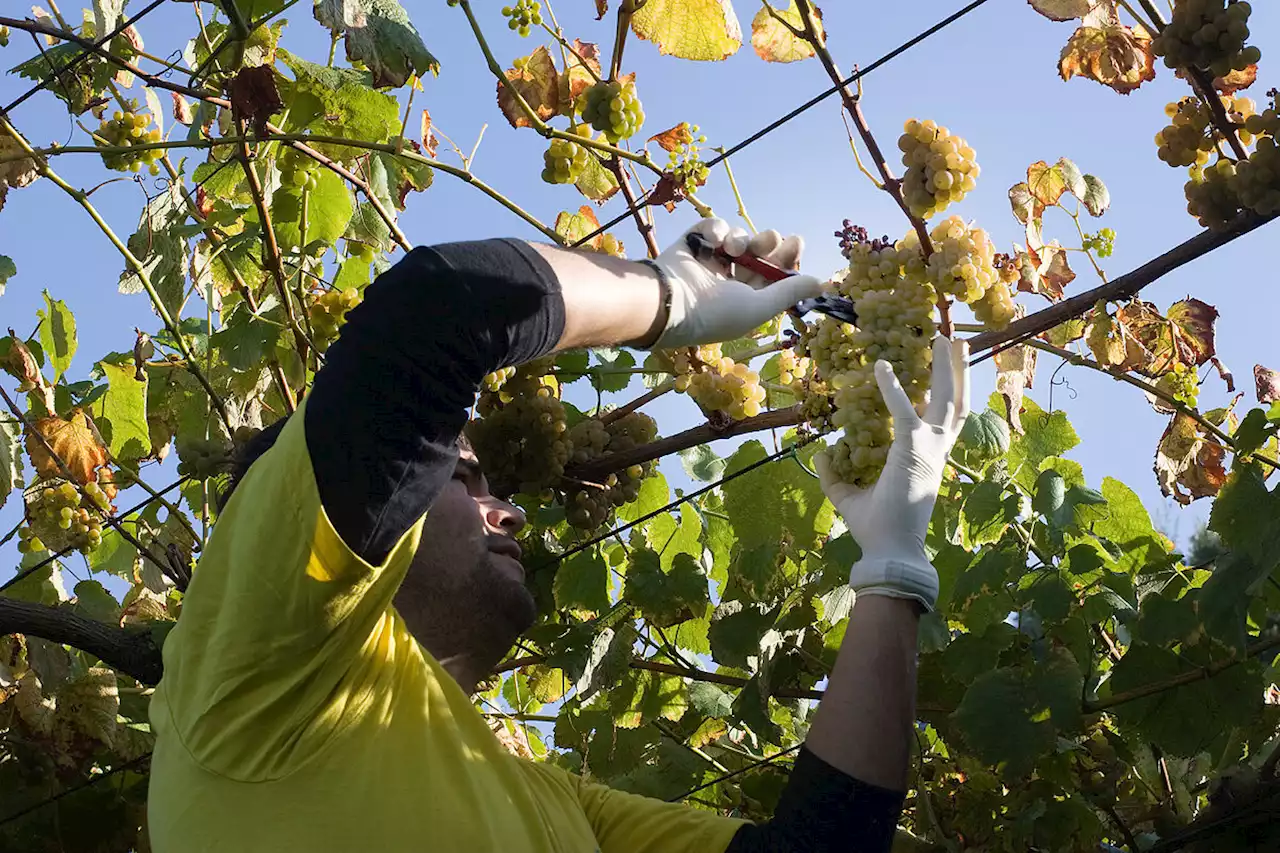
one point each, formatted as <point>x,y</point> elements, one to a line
<point>315,695</point>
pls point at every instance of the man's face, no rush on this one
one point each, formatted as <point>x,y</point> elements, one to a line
<point>465,592</point>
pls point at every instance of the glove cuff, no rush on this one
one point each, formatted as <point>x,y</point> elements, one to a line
<point>896,578</point>
<point>674,309</point>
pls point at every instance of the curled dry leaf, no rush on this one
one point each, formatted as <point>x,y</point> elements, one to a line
<point>537,81</point>
<point>1268,382</point>
<point>574,226</point>
<point>674,137</point>
<point>775,41</point>
<point>1187,466</point>
<point>1225,374</point>
<point>1026,207</point>
<point>1016,371</point>
<point>1236,80</point>
<point>1185,336</point>
<point>429,141</point>
<point>1113,345</point>
<point>16,173</point>
<point>254,96</point>
<point>1114,55</point>
<point>1045,271</point>
<point>582,71</point>
<point>182,112</point>
<point>1062,10</point>
<point>75,442</point>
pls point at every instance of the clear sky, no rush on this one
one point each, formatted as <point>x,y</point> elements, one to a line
<point>991,77</point>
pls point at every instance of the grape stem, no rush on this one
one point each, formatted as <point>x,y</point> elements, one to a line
<point>644,399</point>
<point>892,185</point>
<point>737,196</point>
<point>645,228</point>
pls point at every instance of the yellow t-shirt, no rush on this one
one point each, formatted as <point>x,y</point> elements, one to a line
<point>297,713</point>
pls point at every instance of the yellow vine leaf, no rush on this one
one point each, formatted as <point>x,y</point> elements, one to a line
<point>775,42</point>
<point>536,79</point>
<point>706,30</point>
<point>75,442</point>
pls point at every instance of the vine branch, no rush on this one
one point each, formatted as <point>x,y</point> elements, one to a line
<point>130,650</point>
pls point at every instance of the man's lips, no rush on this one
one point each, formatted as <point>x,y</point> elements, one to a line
<point>506,546</point>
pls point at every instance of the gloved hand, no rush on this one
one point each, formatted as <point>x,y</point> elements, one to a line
<point>707,306</point>
<point>889,520</point>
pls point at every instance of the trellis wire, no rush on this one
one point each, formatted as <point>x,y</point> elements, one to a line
<point>726,777</point>
<point>812,102</point>
<point>76,60</point>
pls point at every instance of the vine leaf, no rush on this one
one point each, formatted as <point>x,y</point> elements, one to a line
<point>581,72</point>
<point>1046,183</point>
<point>1045,434</point>
<point>18,172</point>
<point>701,463</point>
<point>582,584</point>
<point>1096,198</point>
<point>8,269</point>
<point>1184,460</point>
<point>536,80</point>
<point>1016,371</point>
<point>1062,10</point>
<point>986,514</point>
<point>705,30</point>
<point>1183,338</point>
<point>1011,716</point>
<point>643,696</point>
<point>379,34</point>
<point>574,226</point>
<point>1026,207</point>
<point>122,414</point>
<point>254,96</point>
<point>773,502</point>
<point>73,440</point>
<point>337,102</point>
<point>1245,514</point>
<point>160,245</point>
<point>774,42</point>
<point>57,334</point>
<point>1268,384</point>
<point>673,137</point>
<point>1112,344</point>
<point>736,632</point>
<point>1114,55</point>
<point>596,182</point>
<point>1127,525</point>
<point>10,459</point>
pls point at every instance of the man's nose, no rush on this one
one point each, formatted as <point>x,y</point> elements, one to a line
<point>504,517</point>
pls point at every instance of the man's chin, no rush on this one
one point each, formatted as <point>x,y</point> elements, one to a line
<point>514,597</point>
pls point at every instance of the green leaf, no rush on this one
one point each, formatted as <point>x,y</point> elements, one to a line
<point>8,269</point>
<point>10,458</point>
<point>736,632</point>
<point>971,654</point>
<point>709,700</point>
<point>354,273</point>
<point>1164,621</point>
<point>654,495</point>
<point>93,600</point>
<point>337,102</point>
<point>44,585</point>
<point>1128,526</point>
<point>1050,492</point>
<point>1075,508</point>
<point>1245,514</point>
<point>329,207</point>
<point>57,334</point>
<point>774,500</point>
<point>1096,198</point>
<point>160,245</point>
<point>519,695</point>
<point>986,514</point>
<point>666,597</point>
<point>596,183</point>
<point>379,34</point>
<point>245,340</point>
<point>674,533</point>
<point>643,696</point>
<point>612,376</point>
<point>1011,716</point>
<point>398,176</point>
<point>701,463</point>
<point>582,583</point>
<point>1050,597</point>
<point>121,416</point>
<point>1046,435</point>
<point>985,435</point>
<point>1223,602</point>
<point>114,555</point>
<point>690,29</point>
<point>1184,720</point>
<point>980,592</point>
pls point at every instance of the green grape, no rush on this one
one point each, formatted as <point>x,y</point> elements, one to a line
<point>494,381</point>
<point>792,368</point>
<point>613,109</point>
<point>55,516</point>
<point>941,168</point>
<point>995,309</point>
<point>590,506</point>
<point>1257,180</point>
<point>200,458</point>
<point>1208,34</point>
<point>685,161</point>
<point>521,440</point>
<point>127,129</point>
<point>524,15</point>
<point>1182,383</point>
<point>722,385</point>
<point>329,312</point>
<point>564,161</point>
<point>1212,197</point>
<point>963,262</point>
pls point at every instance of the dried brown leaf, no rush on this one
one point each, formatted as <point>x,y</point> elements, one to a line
<point>674,137</point>
<point>1114,55</point>
<point>429,141</point>
<point>1186,461</point>
<point>1268,382</point>
<point>73,440</point>
<point>538,82</point>
<point>182,112</point>
<point>1236,80</point>
<point>254,96</point>
<point>1016,371</point>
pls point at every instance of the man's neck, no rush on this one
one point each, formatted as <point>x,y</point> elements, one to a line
<point>465,670</point>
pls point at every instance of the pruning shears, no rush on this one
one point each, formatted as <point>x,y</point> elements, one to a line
<point>839,307</point>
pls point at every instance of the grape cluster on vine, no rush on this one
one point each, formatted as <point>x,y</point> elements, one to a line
<point>201,458</point>
<point>523,15</point>
<point>890,286</point>
<point>564,161</point>
<point>521,438</point>
<point>1211,193</point>
<point>297,171</point>
<point>127,129</point>
<point>329,312</point>
<point>1257,180</point>
<point>717,383</point>
<point>685,161</point>
<point>1103,243</point>
<point>963,261</point>
<point>613,108</point>
<point>590,505</point>
<point>1208,34</point>
<point>56,517</point>
<point>792,367</point>
<point>1182,383</point>
<point>941,167</point>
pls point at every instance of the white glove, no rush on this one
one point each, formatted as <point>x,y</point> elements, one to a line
<point>707,306</point>
<point>889,521</point>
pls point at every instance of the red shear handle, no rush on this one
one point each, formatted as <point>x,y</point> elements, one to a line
<point>768,270</point>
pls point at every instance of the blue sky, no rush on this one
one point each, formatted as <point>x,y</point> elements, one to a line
<point>991,77</point>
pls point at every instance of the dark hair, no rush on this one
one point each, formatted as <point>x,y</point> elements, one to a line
<point>251,450</point>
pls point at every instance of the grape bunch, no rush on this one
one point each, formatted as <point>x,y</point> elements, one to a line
<point>1258,178</point>
<point>792,368</point>
<point>563,161</point>
<point>963,262</point>
<point>521,438</point>
<point>1104,242</point>
<point>1186,140</point>
<point>1182,382</point>
<point>1208,34</point>
<point>613,109</point>
<point>56,518</point>
<point>126,129</point>
<point>494,381</point>
<point>297,171</point>
<point>995,309</point>
<point>329,312</point>
<point>523,15</point>
<point>200,458</point>
<point>685,162</point>
<point>717,383</point>
<point>1212,197</point>
<point>890,285</point>
<point>589,506</point>
<point>941,168</point>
